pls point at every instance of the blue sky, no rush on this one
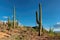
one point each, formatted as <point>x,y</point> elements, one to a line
<point>25,11</point>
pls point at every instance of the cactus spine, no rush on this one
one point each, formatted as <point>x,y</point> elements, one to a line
<point>39,19</point>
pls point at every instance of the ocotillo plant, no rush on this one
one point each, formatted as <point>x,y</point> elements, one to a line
<point>39,19</point>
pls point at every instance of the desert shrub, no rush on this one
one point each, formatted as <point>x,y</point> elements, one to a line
<point>51,32</point>
<point>9,25</point>
<point>17,38</point>
<point>34,30</point>
<point>3,30</point>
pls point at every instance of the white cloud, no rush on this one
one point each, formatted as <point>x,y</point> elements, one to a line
<point>57,29</point>
<point>20,24</point>
<point>4,21</point>
<point>47,29</point>
<point>5,16</point>
<point>58,23</point>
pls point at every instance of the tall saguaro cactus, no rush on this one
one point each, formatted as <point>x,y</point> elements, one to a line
<point>14,17</point>
<point>39,19</point>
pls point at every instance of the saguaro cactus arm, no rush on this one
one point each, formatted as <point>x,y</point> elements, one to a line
<point>37,20</point>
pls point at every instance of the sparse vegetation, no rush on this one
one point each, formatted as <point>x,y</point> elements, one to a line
<point>51,32</point>
<point>16,32</point>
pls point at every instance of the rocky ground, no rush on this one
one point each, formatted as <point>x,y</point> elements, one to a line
<point>24,33</point>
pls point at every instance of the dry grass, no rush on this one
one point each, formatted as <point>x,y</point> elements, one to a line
<point>24,33</point>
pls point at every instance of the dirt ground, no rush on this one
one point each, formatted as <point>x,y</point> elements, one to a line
<point>2,35</point>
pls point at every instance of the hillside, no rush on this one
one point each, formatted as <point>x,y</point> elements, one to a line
<point>24,33</point>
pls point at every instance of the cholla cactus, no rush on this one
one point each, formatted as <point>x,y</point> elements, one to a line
<point>39,19</point>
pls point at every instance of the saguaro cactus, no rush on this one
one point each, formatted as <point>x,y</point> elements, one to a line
<point>14,17</point>
<point>39,19</point>
<point>9,25</point>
